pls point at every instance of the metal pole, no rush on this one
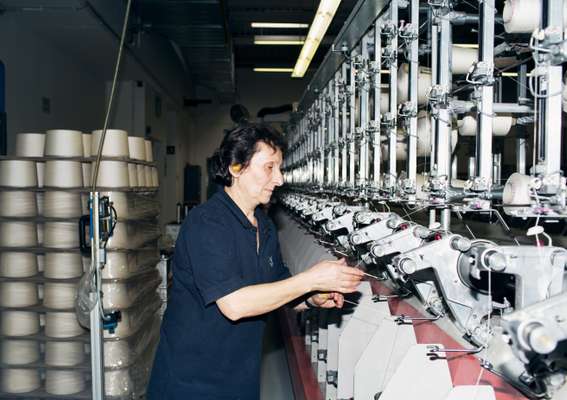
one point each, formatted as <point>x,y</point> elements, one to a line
<point>413,93</point>
<point>352,125</point>
<point>377,90</point>
<point>344,154</point>
<point>363,92</point>
<point>392,132</point>
<point>336,121</point>
<point>97,350</point>
<point>444,78</point>
<point>485,110</point>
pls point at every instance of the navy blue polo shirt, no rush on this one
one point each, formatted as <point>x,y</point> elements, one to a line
<point>202,354</point>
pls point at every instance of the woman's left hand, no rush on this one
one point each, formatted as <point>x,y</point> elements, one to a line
<point>327,300</point>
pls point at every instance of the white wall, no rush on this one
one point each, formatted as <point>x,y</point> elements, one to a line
<point>36,68</point>
<point>255,91</point>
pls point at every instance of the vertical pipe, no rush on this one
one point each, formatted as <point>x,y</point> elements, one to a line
<point>363,90</point>
<point>392,133</point>
<point>377,90</point>
<point>444,77</point>
<point>434,81</point>
<point>413,93</point>
<point>352,125</point>
<point>344,154</point>
<point>336,121</point>
<point>550,113</point>
<point>485,111</point>
<point>521,133</point>
<point>446,219</point>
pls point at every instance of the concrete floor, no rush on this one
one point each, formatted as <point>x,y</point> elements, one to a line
<point>275,381</point>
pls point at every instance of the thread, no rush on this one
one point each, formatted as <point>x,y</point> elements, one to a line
<point>87,141</point>
<point>19,323</point>
<point>62,205</point>
<point>141,175</point>
<point>63,174</point>
<point>20,380</point>
<point>115,143</point>
<point>133,175</point>
<point>63,143</point>
<point>63,265</point>
<point>462,59</point>
<point>18,294</point>
<point>59,296</point>
<point>62,325</point>
<point>30,144</point>
<point>19,352</point>
<point>501,125</point>
<point>118,383</point>
<point>61,235</point>
<point>64,382</point>
<point>524,16</point>
<point>137,148</point>
<point>64,354</point>
<point>113,174</point>
<point>116,353</point>
<point>18,173</point>
<point>18,234</point>
<point>18,265</point>
<point>18,204</point>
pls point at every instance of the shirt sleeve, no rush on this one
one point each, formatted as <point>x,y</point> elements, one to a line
<point>211,252</point>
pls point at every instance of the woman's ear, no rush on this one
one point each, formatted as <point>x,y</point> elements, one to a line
<point>235,169</point>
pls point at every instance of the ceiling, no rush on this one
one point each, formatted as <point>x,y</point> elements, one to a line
<point>214,36</point>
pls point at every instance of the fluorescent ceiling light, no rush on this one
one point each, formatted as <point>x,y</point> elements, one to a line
<point>279,25</point>
<point>466,45</point>
<point>272,69</point>
<point>321,22</point>
<point>279,40</point>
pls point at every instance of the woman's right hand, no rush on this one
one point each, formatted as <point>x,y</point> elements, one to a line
<point>333,276</point>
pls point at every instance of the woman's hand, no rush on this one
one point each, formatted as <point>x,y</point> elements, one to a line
<point>333,276</point>
<point>327,300</point>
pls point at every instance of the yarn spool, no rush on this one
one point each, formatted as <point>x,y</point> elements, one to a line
<point>61,235</point>
<point>18,204</point>
<point>140,169</point>
<point>133,175</point>
<point>59,296</point>
<point>64,382</point>
<point>423,84</point>
<point>115,143</point>
<point>524,16</point>
<point>63,174</point>
<point>18,173</point>
<point>87,169</point>
<point>137,148</point>
<point>148,173</point>
<point>517,190</point>
<point>62,205</point>
<point>30,144</point>
<point>19,352</point>
<point>18,234</point>
<point>19,380</point>
<point>62,325</point>
<point>155,177</point>
<point>18,294</point>
<point>462,59</point>
<point>63,143</point>
<point>113,174</point>
<point>63,265</point>
<point>501,125</point>
<point>19,323</point>
<point>18,265</point>
<point>87,142</point>
<point>40,170</point>
<point>119,295</point>
<point>64,354</point>
<point>119,265</point>
<point>116,353</point>
<point>149,151</point>
<point>118,383</point>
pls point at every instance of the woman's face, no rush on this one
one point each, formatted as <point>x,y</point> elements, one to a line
<point>262,175</point>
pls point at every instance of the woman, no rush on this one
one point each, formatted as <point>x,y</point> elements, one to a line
<point>228,273</point>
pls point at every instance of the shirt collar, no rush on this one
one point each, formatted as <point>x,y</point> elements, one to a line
<point>237,212</point>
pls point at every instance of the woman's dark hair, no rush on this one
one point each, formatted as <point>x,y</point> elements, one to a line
<point>238,147</point>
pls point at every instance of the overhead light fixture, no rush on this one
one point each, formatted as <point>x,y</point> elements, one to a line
<point>279,25</point>
<point>272,69</point>
<point>466,45</point>
<point>321,22</point>
<point>279,40</point>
